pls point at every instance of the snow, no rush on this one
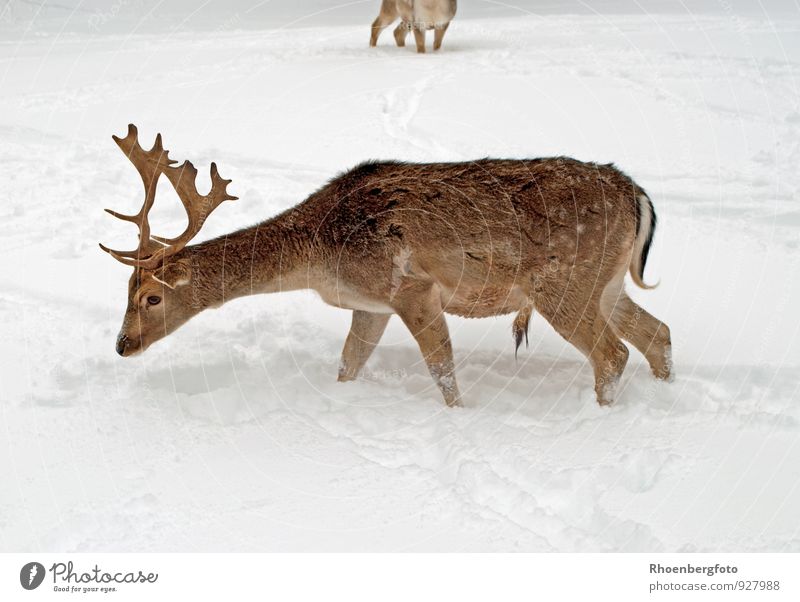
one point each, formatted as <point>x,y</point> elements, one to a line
<point>233,434</point>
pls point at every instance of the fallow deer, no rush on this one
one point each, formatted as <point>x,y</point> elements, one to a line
<point>417,16</point>
<point>419,240</point>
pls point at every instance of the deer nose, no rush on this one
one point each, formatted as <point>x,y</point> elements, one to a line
<point>122,343</point>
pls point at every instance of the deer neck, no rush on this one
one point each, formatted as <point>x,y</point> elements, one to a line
<point>276,255</point>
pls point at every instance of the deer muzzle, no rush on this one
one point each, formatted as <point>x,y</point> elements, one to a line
<point>123,344</point>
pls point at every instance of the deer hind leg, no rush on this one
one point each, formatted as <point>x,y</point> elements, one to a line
<point>386,17</point>
<point>608,355</point>
<point>420,308</point>
<point>438,35</point>
<point>583,325</point>
<point>400,33</point>
<point>648,334</point>
<point>419,38</point>
<point>366,330</point>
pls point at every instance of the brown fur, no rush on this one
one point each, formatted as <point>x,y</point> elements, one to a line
<point>417,16</point>
<point>420,240</point>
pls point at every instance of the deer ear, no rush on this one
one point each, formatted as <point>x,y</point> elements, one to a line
<point>173,274</point>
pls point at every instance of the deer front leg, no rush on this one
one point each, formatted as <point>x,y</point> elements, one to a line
<point>366,330</point>
<point>421,312</point>
<point>419,38</point>
<point>400,33</point>
<point>388,13</point>
<point>438,35</point>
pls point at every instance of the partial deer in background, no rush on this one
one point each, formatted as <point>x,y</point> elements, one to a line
<point>417,16</point>
<point>475,239</point>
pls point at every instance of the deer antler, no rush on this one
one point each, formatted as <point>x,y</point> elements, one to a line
<point>151,164</point>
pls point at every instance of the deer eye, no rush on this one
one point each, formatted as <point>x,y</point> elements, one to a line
<point>153,300</point>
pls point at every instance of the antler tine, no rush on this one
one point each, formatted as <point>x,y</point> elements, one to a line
<point>150,164</point>
<point>198,207</point>
<point>217,179</point>
<point>122,216</point>
<point>126,257</point>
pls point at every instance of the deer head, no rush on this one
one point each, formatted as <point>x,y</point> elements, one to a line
<point>159,300</point>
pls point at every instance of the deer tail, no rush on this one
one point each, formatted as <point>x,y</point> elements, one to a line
<point>645,229</point>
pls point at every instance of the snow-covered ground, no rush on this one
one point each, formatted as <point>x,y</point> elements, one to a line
<point>233,434</point>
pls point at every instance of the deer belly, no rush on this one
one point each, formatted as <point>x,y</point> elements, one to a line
<point>346,298</point>
<point>482,302</point>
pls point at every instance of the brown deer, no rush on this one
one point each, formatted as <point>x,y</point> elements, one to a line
<point>475,239</point>
<point>417,16</point>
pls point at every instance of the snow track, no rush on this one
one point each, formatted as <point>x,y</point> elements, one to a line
<point>232,434</point>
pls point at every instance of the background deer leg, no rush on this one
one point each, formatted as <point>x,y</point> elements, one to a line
<point>400,33</point>
<point>422,314</point>
<point>386,16</point>
<point>648,334</point>
<point>419,38</point>
<point>438,35</point>
<point>366,330</point>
